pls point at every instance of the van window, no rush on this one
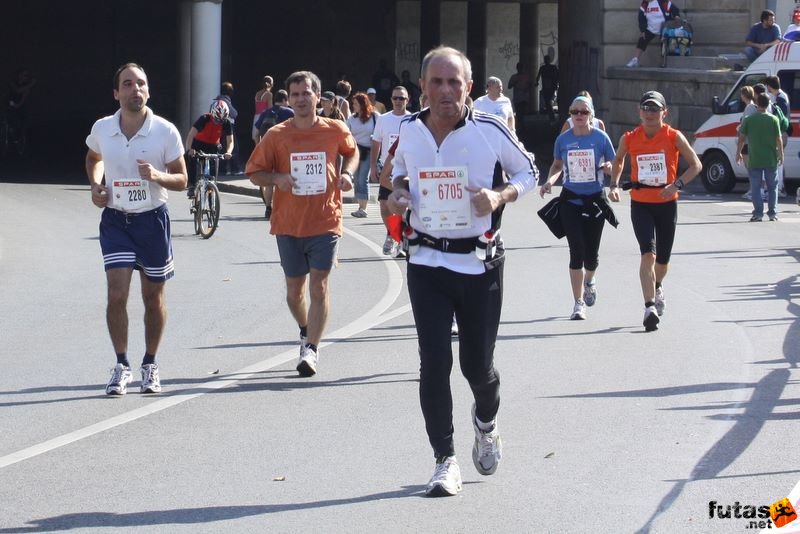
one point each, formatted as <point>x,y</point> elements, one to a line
<point>790,83</point>
<point>734,103</point>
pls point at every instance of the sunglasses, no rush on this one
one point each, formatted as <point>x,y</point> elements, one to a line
<point>579,112</point>
<point>651,108</point>
<point>399,98</point>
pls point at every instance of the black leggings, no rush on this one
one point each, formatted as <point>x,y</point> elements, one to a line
<point>654,225</point>
<point>436,293</point>
<point>583,235</point>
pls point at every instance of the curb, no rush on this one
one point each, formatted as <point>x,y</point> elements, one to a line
<point>253,191</point>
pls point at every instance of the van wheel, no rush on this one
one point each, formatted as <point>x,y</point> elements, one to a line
<point>717,174</point>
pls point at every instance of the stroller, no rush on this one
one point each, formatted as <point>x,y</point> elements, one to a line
<point>676,39</point>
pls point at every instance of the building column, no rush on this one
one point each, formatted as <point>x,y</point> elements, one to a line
<point>476,45</point>
<point>529,49</point>
<point>200,58</point>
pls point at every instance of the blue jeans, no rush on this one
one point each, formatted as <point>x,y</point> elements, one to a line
<point>755,191</point>
<point>751,53</point>
<point>361,179</point>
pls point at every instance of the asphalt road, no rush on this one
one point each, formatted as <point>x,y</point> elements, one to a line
<point>606,428</point>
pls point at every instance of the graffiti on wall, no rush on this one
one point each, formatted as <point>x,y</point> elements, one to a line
<point>509,51</point>
<point>548,46</point>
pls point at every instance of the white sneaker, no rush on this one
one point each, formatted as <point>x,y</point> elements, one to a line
<point>488,448</point>
<point>579,311</point>
<point>748,195</point>
<point>781,193</point>
<point>121,376</point>
<point>634,62</point>
<point>307,364</point>
<point>388,245</point>
<point>151,382</point>
<point>446,479</point>
<point>590,292</point>
<point>661,301</point>
<point>651,319</point>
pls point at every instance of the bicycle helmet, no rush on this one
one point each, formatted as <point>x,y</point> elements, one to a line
<point>219,111</point>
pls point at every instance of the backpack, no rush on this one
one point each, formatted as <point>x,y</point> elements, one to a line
<point>783,120</point>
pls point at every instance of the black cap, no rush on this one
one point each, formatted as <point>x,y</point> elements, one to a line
<point>328,95</point>
<point>653,96</point>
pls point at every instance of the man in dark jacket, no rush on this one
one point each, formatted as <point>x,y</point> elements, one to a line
<point>652,16</point>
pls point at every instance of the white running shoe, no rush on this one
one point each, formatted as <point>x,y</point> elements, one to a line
<point>151,382</point>
<point>661,301</point>
<point>590,292</point>
<point>307,364</point>
<point>579,311</point>
<point>446,479</point>
<point>121,376</point>
<point>488,448</point>
<point>651,319</point>
<point>634,62</point>
<point>388,245</point>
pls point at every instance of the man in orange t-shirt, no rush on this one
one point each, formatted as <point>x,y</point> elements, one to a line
<point>654,149</point>
<point>299,157</point>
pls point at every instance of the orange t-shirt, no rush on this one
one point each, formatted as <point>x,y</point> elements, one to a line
<point>648,154</point>
<point>311,215</point>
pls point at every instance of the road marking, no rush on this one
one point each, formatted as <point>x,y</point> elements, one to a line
<point>374,316</point>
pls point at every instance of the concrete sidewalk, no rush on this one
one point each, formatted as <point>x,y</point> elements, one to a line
<point>241,185</point>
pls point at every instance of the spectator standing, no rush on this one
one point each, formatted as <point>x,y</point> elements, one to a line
<point>378,106</point>
<point>765,153</point>
<point>329,108</point>
<point>383,81</point>
<point>342,91</point>
<point>269,118</point>
<point>762,35</point>
<point>300,158</point>
<point>412,89</point>
<point>19,91</point>
<point>134,157</point>
<point>520,83</point>
<point>234,166</point>
<point>548,74</point>
<point>362,124</point>
<point>263,101</point>
<point>652,16</point>
<point>779,98</point>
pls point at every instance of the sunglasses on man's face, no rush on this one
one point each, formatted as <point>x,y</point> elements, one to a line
<point>652,108</point>
<point>579,112</point>
<point>398,98</point>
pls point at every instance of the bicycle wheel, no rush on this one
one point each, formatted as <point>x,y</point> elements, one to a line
<point>197,207</point>
<point>209,212</point>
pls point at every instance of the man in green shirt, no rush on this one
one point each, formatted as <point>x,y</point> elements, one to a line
<point>765,150</point>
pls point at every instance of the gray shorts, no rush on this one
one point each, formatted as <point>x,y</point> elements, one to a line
<point>301,254</point>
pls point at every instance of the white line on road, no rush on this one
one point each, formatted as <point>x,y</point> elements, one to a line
<point>371,318</point>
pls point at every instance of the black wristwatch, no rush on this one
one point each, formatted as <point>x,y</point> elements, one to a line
<point>678,183</point>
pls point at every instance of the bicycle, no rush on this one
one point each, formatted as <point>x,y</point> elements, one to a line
<point>205,203</point>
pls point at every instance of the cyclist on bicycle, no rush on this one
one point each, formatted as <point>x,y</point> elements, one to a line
<point>206,136</point>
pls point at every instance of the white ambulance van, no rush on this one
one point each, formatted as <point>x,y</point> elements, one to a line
<point>715,141</point>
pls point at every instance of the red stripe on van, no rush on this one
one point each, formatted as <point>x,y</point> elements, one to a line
<point>726,130</point>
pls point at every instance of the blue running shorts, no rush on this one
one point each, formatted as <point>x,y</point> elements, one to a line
<point>139,241</point>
